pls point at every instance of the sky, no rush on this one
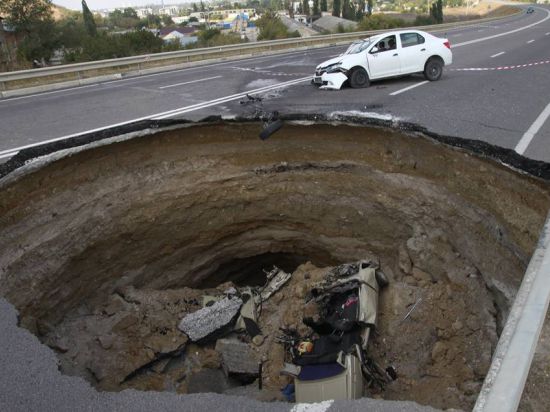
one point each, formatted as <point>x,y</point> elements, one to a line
<point>110,4</point>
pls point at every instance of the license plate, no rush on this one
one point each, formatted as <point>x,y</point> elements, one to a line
<point>317,80</point>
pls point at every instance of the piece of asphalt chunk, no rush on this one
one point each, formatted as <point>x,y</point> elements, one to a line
<point>208,320</point>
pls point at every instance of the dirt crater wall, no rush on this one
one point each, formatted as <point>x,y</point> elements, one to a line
<point>178,207</point>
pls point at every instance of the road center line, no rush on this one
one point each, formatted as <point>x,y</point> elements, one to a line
<point>162,115</point>
<point>11,99</point>
<point>530,134</point>
<point>192,81</point>
<point>409,88</point>
<point>494,36</point>
<point>498,54</point>
<point>530,41</point>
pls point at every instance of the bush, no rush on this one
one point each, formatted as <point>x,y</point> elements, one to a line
<point>424,21</point>
<point>105,46</point>
<point>272,28</point>
<point>380,22</point>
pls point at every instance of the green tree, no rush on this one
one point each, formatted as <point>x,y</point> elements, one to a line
<point>324,5</point>
<point>40,43</point>
<point>360,13</point>
<point>203,7</point>
<point>305,7</point>
<point>23,15</point>
<point>347,11</point>
<point>195,8</point>
<point>71,31</point>
<point>88,17</point>
<point>336,7</point>
<point>124,19</point>
<point>167,20</point>
<point>370,4</point>
<point>316,11</point>
<point>271,27</point>
<point>436,11</point>
<point>130,13</point>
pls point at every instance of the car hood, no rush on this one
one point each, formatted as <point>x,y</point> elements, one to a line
<point>330,62</point>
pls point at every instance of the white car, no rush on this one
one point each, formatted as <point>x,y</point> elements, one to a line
<point>385,55</point>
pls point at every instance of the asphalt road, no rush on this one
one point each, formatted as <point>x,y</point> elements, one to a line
<point>490,93</point>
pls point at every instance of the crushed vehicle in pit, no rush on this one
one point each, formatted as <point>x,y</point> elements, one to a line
<point>331,361</point>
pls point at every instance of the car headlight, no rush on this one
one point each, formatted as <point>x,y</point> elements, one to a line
<point>333,68</point>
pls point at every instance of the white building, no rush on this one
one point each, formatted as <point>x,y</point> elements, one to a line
<point>144,12</point>
<point>169,11</point>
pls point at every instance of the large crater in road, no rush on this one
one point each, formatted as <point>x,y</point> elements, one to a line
<point>136,222</point>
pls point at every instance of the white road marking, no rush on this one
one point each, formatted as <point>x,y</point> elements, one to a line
<point>547,34</point>
<point>457,35</point>
<point>144,76</point>
<point>498,54</point>
<point>530,134</point>
<point>44,93</point>
<point>494,36</point>
<point>312,407</point>
<point>531,41</point>
<point>189,82</point>
<point>409,88</point>
<point>225,99</point>
<point>162,115</point>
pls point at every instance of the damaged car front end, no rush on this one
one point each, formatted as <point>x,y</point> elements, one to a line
<point>331,76</point>
<point>333,73</point>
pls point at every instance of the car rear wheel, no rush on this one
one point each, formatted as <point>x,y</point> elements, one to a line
<point>359,78</point>
<point>433,70</point>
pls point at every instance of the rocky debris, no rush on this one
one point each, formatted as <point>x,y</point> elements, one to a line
<point>237,358</point>
<point>209,380</point>
<point>276,278</point>
<point>440,351</point>
<point>209,320</point>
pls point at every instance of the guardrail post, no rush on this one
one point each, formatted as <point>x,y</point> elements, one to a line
<point>3,86</point>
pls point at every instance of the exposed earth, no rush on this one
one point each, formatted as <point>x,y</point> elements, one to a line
<point>104,251</point>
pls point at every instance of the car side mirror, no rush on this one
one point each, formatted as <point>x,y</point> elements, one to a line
<point>374,50</point>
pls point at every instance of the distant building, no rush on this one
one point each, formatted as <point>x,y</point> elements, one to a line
<point>180,20</point>
<point>331,23</point>
<point>185,35</point>
<point>169,11</point>
<point>144,12</point>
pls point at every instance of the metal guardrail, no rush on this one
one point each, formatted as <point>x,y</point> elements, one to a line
<point>505,380</point>
<point>82,73</point>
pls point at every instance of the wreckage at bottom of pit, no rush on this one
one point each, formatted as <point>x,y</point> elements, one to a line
<point>330,361</point>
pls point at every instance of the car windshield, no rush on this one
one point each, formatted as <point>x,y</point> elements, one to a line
<point>358,46</point>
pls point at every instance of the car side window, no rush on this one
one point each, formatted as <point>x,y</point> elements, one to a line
<point>411,39</point>
<point>386,44</point>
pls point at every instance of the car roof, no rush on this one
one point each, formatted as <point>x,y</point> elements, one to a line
<point>393,32</point>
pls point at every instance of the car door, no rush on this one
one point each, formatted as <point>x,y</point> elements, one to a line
<point>413,52</point>
<point>383,58</point>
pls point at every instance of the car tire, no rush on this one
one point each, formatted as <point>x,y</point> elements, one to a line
<point>381,279</point>
<point>359,78</point>
<point>433,70</point>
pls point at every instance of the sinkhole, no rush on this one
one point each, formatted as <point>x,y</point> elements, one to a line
<point>104,248</point>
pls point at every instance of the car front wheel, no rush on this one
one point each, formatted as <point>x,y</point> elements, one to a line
<point>359,78</point>
<point>433,70</point>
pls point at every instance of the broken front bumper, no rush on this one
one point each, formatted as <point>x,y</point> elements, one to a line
<point>330,80</point>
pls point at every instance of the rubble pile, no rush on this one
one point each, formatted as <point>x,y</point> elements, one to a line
<point>227,339</point>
